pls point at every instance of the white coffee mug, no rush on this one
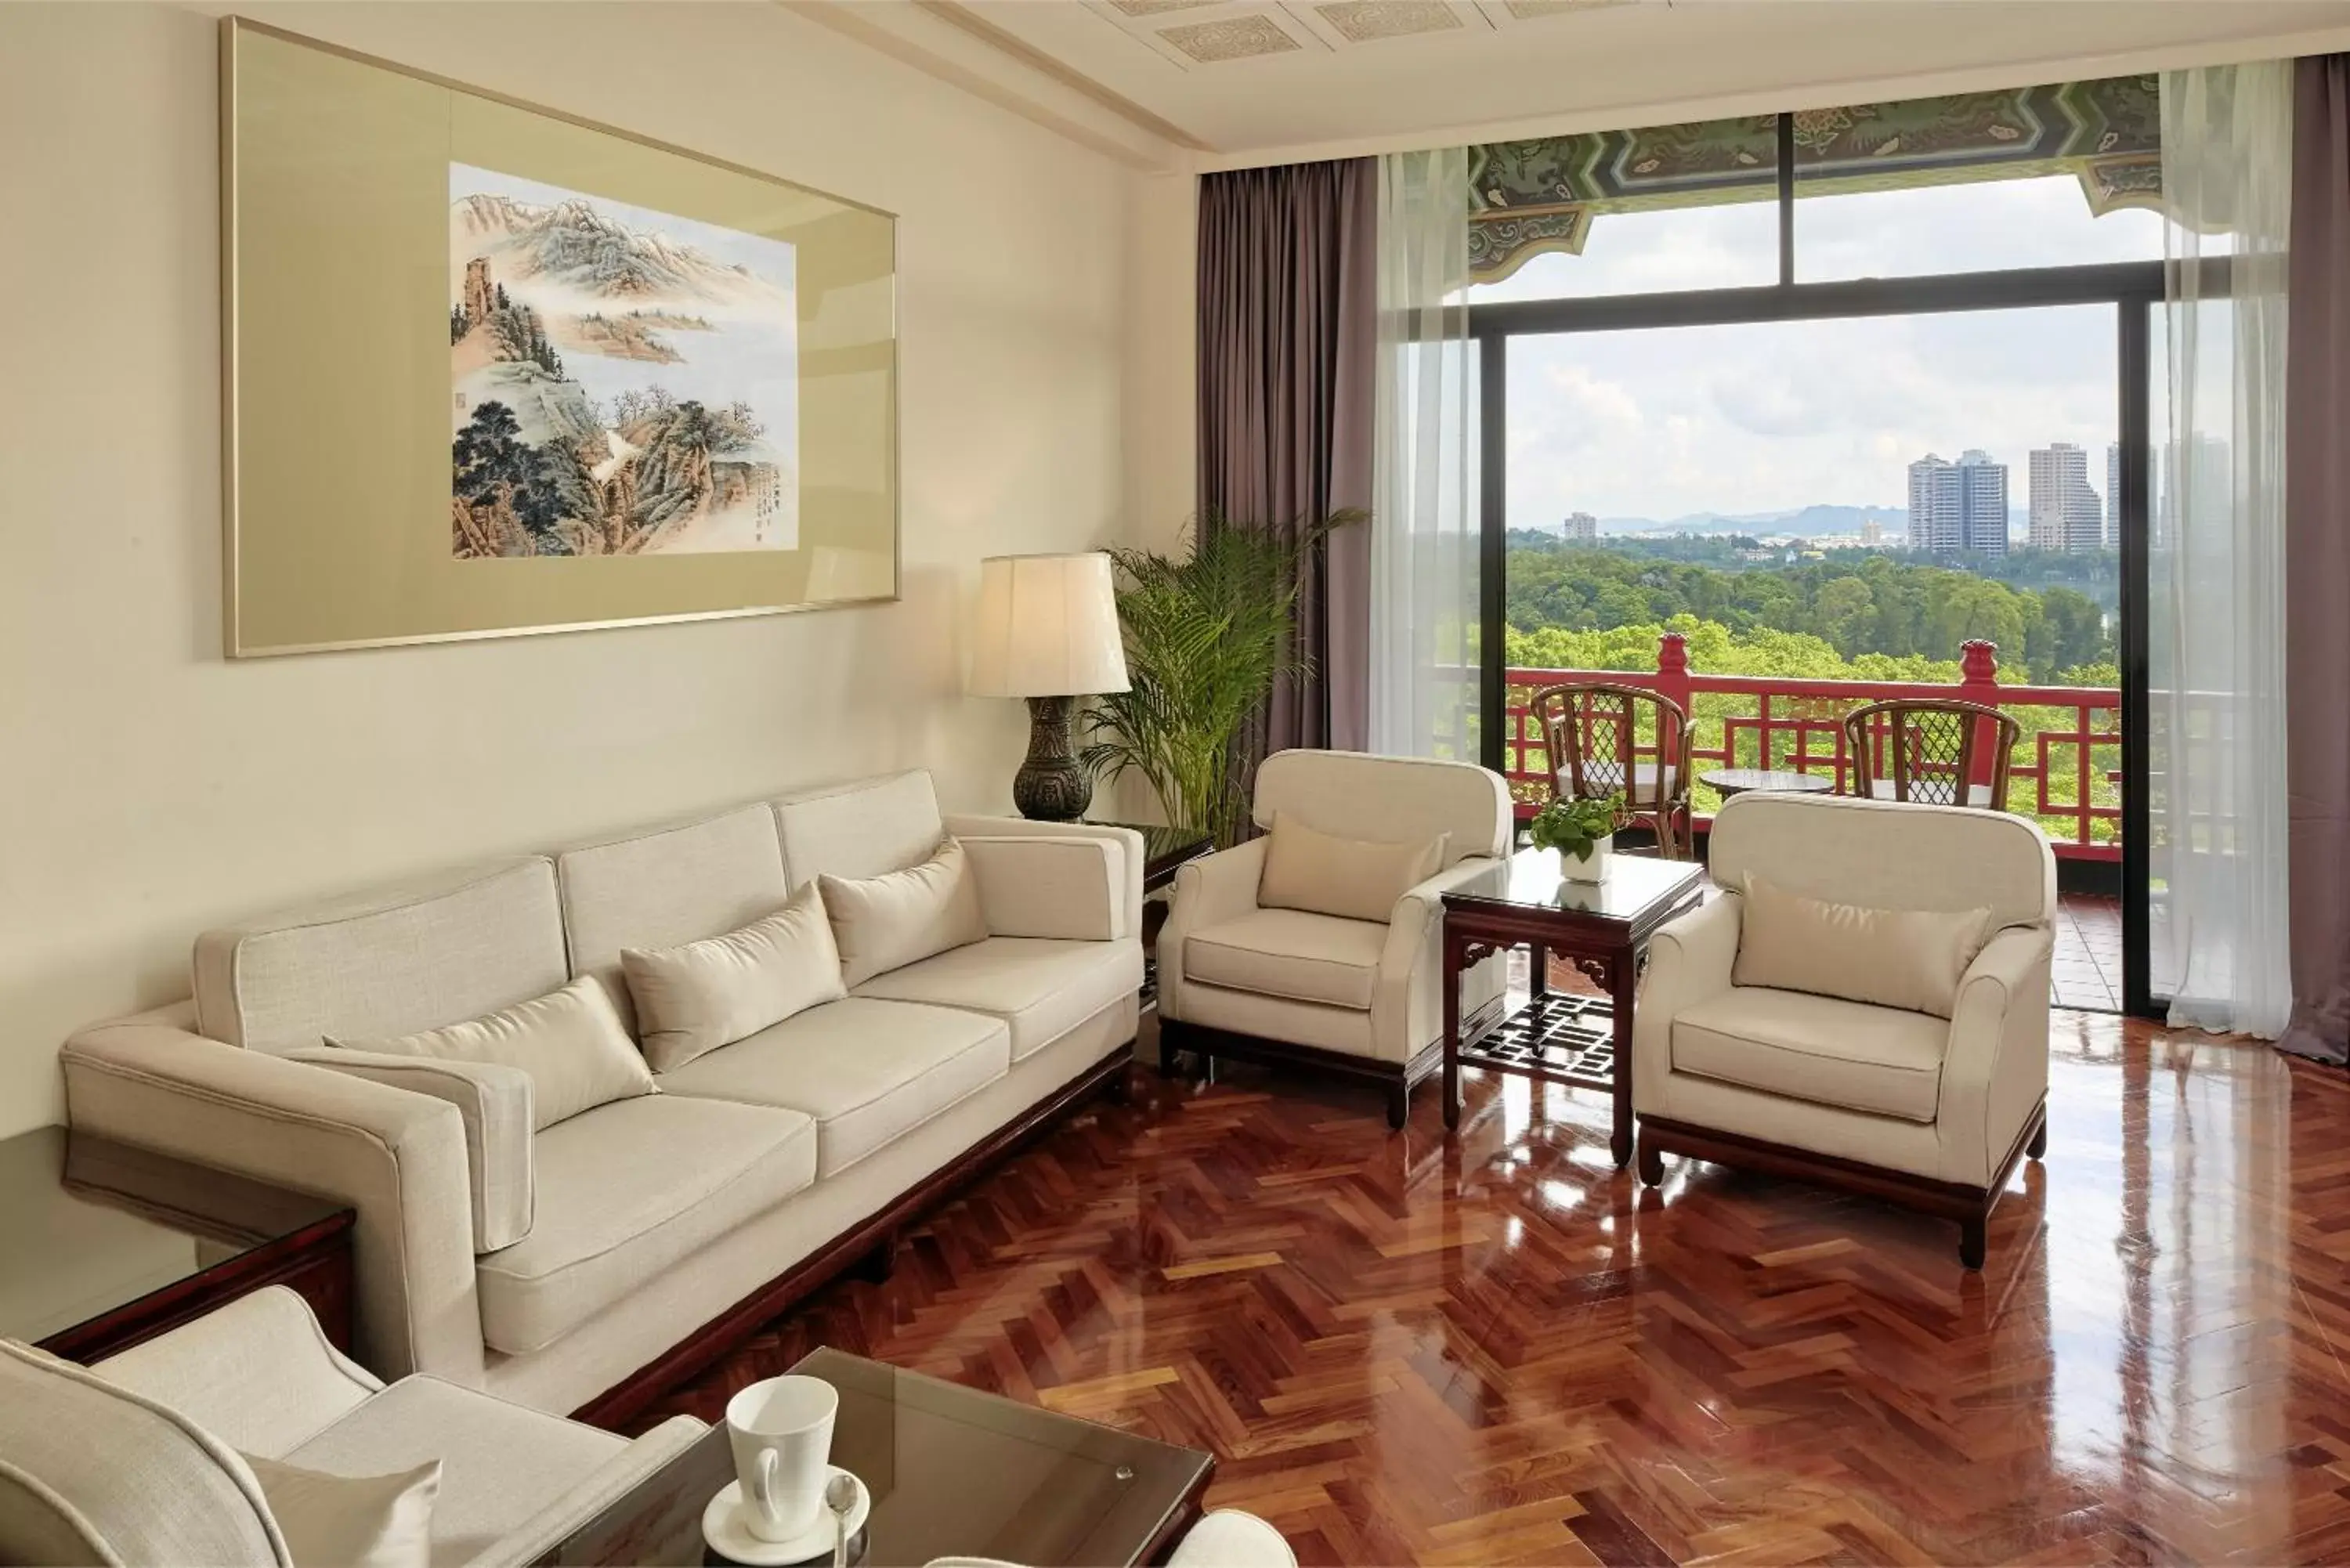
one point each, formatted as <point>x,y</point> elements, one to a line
<point>782,1432</point>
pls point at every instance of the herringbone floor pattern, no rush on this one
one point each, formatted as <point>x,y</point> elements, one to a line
<point>1499,1349</point>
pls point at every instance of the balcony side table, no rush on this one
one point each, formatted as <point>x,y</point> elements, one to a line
<point>1602,929</point>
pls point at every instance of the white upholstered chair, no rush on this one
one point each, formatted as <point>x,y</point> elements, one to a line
<point>140,1461</point>
<point>1357,997</point>
<point>1928,1111</point>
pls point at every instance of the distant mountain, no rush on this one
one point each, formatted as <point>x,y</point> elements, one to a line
<point>1816,521</point>
<point>572,244</point>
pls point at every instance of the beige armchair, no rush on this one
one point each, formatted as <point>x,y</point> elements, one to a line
<point>147,1456</point>
<point>1357,997</point>
<point>1898,1102</point>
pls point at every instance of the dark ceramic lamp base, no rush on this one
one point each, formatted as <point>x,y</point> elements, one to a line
<point>1050,786</point>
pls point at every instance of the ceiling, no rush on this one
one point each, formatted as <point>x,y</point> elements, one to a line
<point>1235,81</point>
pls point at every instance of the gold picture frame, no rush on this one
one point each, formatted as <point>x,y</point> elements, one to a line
<point>586,453</point>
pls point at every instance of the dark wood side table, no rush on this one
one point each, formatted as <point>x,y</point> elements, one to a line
<point>953,1471</point>
<point>1165,851</point>
<point>103,1244</point>
<point>1602,928</point>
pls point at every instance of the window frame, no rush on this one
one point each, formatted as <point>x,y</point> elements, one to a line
<point>2133,288</point>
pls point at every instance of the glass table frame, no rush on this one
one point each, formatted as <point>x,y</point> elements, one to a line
<point>1602,928</point>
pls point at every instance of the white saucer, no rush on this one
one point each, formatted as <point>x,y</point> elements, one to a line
<point>723,1527</point>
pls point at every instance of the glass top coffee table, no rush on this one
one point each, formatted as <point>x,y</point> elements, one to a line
<point>1602,928</point>
<point>953,1472</point>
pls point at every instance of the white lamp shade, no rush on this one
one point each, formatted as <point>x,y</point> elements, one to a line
<point>1048,628</point>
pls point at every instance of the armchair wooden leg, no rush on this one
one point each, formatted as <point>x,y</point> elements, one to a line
<point>1398,1105</point>
<point>1972,1241</point>
<point>1171,1055</point>
<point>2038,1147</point>
<point>1652,1164</point>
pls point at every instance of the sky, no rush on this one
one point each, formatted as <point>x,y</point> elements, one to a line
<point>1772,417</point>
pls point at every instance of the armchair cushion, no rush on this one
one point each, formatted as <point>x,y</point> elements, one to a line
<point>1390,800</point>
<point>1290,953</point>
<point>499,1463</point>
<point>1880,1060</point>
<point>1353,879</point>
<point>1911,959</point>
<point>1040,989</point>
<point>569,1041</point>
<point>360,1521</point>
<point>887,921</point>
<point>694,998</point>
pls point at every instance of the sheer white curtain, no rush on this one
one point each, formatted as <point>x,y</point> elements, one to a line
<point>1424,522</point>
<point>2217,562</point>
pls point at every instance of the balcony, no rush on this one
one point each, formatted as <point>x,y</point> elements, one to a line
<point>2065,771</point>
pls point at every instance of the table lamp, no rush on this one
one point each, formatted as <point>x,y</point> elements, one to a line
<point>1048,632</point>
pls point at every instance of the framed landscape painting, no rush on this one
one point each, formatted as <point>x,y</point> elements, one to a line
<point>492,370</point>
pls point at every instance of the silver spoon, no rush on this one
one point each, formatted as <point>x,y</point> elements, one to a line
<point>840,1496</point>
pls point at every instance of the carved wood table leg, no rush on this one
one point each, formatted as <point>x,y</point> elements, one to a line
<point>1450,1005</point>
<point>1538,969</point>
<point>1623,975</point>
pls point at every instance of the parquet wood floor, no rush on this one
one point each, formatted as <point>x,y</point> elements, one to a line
<point>1499,1349</point>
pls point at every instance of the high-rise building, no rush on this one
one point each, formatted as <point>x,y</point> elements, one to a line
<point>1955,507</point>
<point>1580,528</point>
<point>2065,512</point>
<point>1872,533</point>
<point>2113,496</point>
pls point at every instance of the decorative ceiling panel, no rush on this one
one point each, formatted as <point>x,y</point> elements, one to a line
<point>1529,197</point>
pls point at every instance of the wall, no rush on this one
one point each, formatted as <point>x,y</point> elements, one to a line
<point>149,788</point>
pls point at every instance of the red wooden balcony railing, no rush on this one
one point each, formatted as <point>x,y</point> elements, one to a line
<point>2065,771</point>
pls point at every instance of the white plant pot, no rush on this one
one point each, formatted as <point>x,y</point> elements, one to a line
<point>1592,869</point>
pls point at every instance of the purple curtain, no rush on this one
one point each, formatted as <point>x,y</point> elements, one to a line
<point>1288,328</point>
<point>2317,543</point>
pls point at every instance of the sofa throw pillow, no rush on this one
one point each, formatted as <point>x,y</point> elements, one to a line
<point>1908,958</point>
<point>365,1521</point>
<point>887,922</point>
<point>694,998</point>
<point>1343,876</point>
<point>570,1041</point>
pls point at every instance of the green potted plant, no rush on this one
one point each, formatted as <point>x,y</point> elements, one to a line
<point>1581,831</point>
<point>1207,634</point>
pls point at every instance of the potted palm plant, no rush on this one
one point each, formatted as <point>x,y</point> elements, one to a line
<point>1583,832</point>
<point>1207,634</point>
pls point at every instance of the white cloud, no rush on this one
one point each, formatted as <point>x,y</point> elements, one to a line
<point>1774,415</point>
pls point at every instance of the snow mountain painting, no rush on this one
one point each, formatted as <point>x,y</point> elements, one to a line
<point>626,381</point>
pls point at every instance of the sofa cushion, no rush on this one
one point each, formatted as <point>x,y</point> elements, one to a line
<point>1041,987</point>
<point>867,1072</point>
<point>1352,879</point>
<point>1291,953</point>
<point>860,830</point>
<point>885,922</point>
<point>696,997</point>
<point>1848,1054</point>
<point>628,1189</point>
<point>501,1463</point>
<point>389,962</point>
<point>569,1042</point>
<point>674,884</point>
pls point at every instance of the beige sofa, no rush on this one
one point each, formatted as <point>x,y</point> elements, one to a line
<point>1359,999</point>
<point>658,1227</point>
<point>1934,1112</point>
